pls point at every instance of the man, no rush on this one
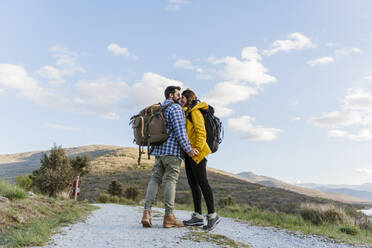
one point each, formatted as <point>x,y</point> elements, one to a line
<point>168,158</point>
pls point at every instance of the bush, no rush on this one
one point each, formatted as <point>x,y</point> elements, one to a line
<point>319,214</point>
<point>131,193</point>
<point>12,192</point>
<point>312,215</point>
<point>24,182</point>
<point>126,201</point>
<point>115,199</point>
<point>104,198</point>
<point>58,171</point>
<point>226,202</point>
<point>349,230</point>
<point>115,188</point>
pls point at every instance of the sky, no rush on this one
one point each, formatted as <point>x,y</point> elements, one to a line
<point>291,80</point>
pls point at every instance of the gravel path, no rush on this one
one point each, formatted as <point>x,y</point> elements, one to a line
<point>119,226</point>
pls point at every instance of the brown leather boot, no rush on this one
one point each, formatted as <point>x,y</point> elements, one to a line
<point>170,221</point>
<point>146,219</point>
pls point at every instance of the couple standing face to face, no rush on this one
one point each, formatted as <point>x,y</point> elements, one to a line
<point>177,97</point>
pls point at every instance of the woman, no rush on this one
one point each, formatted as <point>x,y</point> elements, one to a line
<point>196,170</point>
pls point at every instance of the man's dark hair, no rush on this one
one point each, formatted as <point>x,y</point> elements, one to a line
<point>171,89</point>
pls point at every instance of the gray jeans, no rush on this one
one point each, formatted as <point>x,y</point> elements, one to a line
<point>169,167</point>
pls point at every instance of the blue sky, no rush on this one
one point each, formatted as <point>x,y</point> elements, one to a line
<point>291,80</point>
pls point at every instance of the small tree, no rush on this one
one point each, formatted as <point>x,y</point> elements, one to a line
<point>80,165</point>
<point>131,193</point>
<point>58,171</point>
<point>24,182</point>
<point>115,188</point>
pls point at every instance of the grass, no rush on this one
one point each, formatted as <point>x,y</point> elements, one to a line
<point>218,239</point>
<point>31,221</point>
<point>38,232</point>
<point>297,224</point>
<point>11,191</point>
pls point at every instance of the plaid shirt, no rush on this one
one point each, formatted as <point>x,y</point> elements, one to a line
<point>178,140</point>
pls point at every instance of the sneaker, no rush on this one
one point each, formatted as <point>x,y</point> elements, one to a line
<point>213,220</point>
<point>196,220</point>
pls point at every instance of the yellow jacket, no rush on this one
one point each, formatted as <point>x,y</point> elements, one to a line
<point>196,131</point>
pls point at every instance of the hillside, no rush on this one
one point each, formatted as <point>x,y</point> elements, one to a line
<point>333,195</point>
<point>362,190</point>
<point>12,165</point>
<point>120,163</point>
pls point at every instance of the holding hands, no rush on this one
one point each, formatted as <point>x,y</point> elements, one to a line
<point>194,152</point>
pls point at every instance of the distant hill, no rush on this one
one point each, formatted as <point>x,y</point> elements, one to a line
<point>12,165</point>
<point>362,190</point>
<point>120,163</point>
<point>312,190</point>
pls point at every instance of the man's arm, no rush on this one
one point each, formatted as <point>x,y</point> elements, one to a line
<point>177,116</point>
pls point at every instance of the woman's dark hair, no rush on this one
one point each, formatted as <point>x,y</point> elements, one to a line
<point>192,100</point>
<point>170,90</point>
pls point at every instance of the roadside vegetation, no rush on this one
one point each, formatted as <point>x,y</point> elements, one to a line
<point>33,208</point>
<point>341,224</point>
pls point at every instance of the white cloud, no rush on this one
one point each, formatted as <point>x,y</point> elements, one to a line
<point>247,70</point>
<point>243,78</point>
<point>358,99</point>
<point>347,51</point>
<point>354,121</point>
<point>244,125</point>
<point>62,127</point>
<point>296,41</point>
<point>369,77</point>
<point>336,119</point>
<point>120,51</point>
<point>187,64</point>
<point>150,89</point>
<point>296,118</point>
<point>173,8</point>
<point>367,171</point>
<point>175,5</point>
<point>66,63</point>
<point>102,96</point>
<point>226,93</point>
<point>53,74</point>
<point>330,44</point>
<point>16,77</point>
<point>320,61</point>
<point>66,60</point>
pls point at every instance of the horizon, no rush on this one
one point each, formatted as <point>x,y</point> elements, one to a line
<point>291,81</point>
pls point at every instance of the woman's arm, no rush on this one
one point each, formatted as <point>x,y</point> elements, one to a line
<point>200,131</point>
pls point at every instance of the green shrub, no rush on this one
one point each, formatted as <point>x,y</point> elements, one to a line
<point>11,191</point>
<point>131,193</point>
<point>115,199</point>
<point>229,201</point>
<point>104,198</point>
<point>24,182</point>
<point>126,201</point>
<point>115,188</point>
<point>349,230</point>
<point>333,216</point>
<point>312,215</point>
<point>233,208</point>
<point>58,171</point>
<point>319,214</point>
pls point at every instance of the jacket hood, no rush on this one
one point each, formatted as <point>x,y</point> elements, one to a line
<point>200,105</point>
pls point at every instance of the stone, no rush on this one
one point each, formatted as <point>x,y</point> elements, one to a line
<point>3,199</point>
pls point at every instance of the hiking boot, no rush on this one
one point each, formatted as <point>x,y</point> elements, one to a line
<point>170,221</point>
<point>146,219</point>
<point>196,220</point>
<point>213,220</point>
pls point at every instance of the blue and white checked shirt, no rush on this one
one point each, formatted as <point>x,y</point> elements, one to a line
<point>178,140</point>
